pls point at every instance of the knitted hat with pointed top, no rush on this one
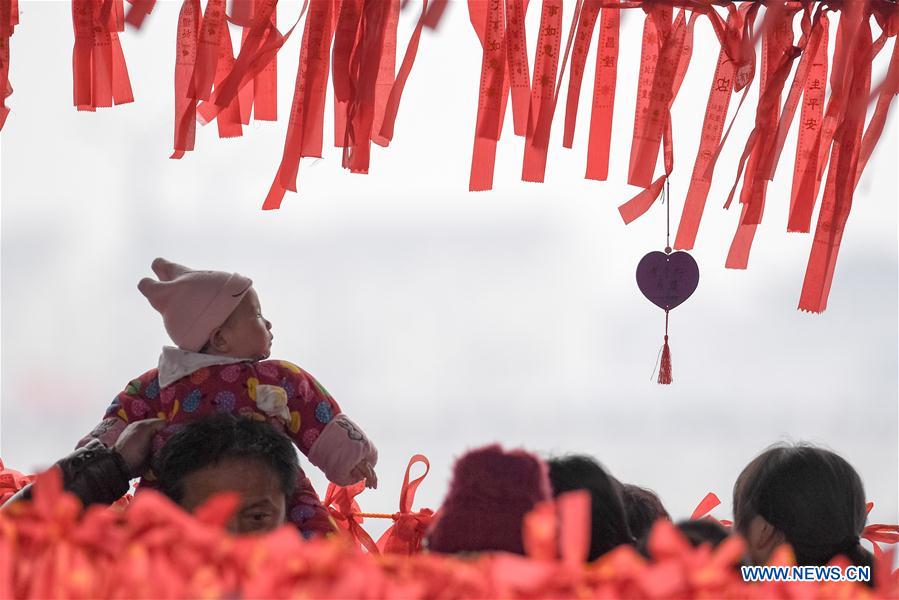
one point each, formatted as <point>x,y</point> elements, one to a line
<point>192,303</point>
<point>491,492</point>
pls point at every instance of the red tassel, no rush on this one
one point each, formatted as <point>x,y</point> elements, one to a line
<point>665,367</point>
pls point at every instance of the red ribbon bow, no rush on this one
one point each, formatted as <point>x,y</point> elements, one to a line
<point>408,529</point>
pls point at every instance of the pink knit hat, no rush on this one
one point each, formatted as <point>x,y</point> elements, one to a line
<point>192,303</point>
<point>490,493</point>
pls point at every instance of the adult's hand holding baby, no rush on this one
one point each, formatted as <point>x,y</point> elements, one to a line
<point>134,444</point>
<point>365,471</point>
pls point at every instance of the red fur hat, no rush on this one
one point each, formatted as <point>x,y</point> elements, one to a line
<point>490,493</point>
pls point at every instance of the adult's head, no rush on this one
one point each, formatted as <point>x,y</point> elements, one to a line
<point>223,453</point>
<point>703,531</point>
<point>643,508</point>
<point>805,496</point>
<point>491,492</point>
<point>609,527</point>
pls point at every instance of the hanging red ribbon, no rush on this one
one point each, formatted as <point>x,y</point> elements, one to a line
<point>138,12</point>
<point>517,57</point>
<point>656,30</point>
<point>487,20</point>
<point>396,91</point>
<point>386,71</point>
<point>586,25</point>
<point>98,65</point>
<point>185,91</point>
<point>305,129</point>
<point>546,63</point>
<point>265,82</point>
<point>712,128</point>
<point>841,177</point>
<point>9,18</point>
<point>604,84</point>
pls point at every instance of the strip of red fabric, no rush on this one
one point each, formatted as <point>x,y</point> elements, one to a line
<point>487,20</point>
<point>841,178</point>
<point>585,27</point>
<point>656,30</point>
<point>9,17</point>
<point>305,127</point>
<point>546,63</point>
<point>518,69</point>
<point>604,84</point>
<point>712,128</point>
<point>185,92</point>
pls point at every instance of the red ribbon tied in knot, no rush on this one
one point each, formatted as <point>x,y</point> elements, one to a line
<point>341,504</point>
<point>408,529</point>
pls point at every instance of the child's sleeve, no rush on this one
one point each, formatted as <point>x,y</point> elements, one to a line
<point>330,440</point>
<point>135,402</point>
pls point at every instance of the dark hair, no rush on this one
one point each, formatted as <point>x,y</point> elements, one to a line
<point>703,531</point>
<point>211,439</point>
<point>811,495</point>
<point>643,508</point>
<point>609,527</point>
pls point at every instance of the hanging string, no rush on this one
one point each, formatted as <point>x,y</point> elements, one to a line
<point>667,222</point>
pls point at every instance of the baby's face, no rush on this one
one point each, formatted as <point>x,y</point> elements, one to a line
<point>248,332</point>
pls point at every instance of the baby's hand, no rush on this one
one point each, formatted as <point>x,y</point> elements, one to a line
<point>365,471</point>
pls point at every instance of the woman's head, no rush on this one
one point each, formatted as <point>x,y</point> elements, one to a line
<point>609,527</point>
<point>643,508</point>
<point>222,453</point>
<point>805,496</point>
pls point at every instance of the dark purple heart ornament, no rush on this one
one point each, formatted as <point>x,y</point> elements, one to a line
<point>667,279</point>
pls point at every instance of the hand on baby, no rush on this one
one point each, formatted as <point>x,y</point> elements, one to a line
<point>134,444</point>
<point>365,471</point>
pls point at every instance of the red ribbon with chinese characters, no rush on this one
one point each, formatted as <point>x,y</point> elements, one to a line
<point>517,56</point>
<point>585,26</point>
<point>305,128</point>
<point>841,177</point>
<point>185,91</point>
<point>604,84</point>
<point>487,20</point>
<point>100,75</point>
<point>546,63</point>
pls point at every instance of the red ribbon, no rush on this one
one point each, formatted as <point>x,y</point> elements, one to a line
<point>396,92</point>
<point>712,128</point>
<point>585,26</point>
<point>487,20</point>
<point>306,127</point>
<point>409,528</point>
<point>841,177</point>
<point>341,503</point>
<point>517,58</point>
<point>878,533</point>
<point>604,83</point>
<point>185,91</point>
<point>9,17</point>
<point>138,12</point>
<point>546,63</point>
<point>705,506</point>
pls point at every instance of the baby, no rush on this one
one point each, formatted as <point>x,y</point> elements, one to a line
<point>220,365</point>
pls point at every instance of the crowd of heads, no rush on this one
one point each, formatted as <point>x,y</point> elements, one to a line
<point>801,495</point>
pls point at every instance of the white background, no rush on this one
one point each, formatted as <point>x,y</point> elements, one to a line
<point>440,319</point>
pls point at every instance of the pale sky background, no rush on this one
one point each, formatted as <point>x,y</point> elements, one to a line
<point>439,319</point>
